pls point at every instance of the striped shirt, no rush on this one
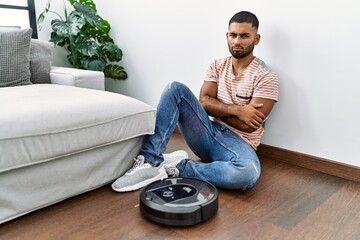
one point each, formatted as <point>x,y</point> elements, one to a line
<point>256,81</point>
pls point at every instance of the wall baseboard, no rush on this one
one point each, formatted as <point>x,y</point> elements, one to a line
<point>307,161</point>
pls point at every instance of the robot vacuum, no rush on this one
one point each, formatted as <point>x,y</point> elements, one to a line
<point>179,201</point>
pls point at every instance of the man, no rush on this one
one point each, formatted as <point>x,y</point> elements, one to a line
<point>238,93</point>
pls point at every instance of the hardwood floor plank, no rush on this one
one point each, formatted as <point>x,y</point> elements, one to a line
<point>305,200</point>
<point>337,218</point>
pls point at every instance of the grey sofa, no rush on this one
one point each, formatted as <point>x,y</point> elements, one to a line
<point>64,137</point>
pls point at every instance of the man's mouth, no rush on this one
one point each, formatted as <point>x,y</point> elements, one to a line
<point>237,49</point>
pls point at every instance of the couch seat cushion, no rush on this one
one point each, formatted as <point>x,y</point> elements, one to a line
<point>43,122</point>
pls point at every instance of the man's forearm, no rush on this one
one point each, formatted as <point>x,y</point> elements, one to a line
<point>236,123</point>
<point>215,108</point>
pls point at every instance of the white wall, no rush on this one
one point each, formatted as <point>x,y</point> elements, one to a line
<point>312,45</point>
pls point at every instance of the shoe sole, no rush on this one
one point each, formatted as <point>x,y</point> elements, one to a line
<point>139,185</point>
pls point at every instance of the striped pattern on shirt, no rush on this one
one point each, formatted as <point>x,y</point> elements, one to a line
<point>257,80</point>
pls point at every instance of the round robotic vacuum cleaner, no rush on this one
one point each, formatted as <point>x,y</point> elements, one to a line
<point>179,201</point>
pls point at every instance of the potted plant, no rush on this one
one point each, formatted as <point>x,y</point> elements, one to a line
<point>85,36</point>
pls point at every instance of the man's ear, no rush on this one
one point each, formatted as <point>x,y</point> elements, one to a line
<point>257,39</point>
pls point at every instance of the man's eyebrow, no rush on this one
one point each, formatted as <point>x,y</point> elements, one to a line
<point>241,34</point>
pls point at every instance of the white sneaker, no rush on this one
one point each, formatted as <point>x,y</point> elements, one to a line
<point>140,175</point>
<point>172,170</point>
<point>171,160</point>
<point>176,156</point>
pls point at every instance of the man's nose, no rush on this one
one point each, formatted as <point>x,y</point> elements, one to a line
<point>237,41</point>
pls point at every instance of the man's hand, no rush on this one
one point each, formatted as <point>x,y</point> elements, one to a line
<point>250,115</point>
<point>247,119</point>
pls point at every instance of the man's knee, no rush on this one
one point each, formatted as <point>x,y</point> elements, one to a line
<point>253,175</point>
<point>248,175</point>
<point>178,86</point>
<point>175,84</point>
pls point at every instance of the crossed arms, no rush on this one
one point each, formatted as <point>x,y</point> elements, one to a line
<point>246,118</point>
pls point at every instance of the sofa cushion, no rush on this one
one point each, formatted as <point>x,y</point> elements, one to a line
<point>15,57</point>
<point>45,122</point>
<point>40,61</point>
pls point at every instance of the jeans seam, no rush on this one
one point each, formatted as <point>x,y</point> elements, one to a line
<point>167,130</point>
<point>207,127</point>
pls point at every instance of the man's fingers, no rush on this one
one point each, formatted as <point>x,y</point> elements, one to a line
<point>260,115</point>
<point>255,125</point>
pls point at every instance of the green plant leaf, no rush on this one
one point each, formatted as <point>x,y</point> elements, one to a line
<point>112,51</point>
<point>105,28</point>
<point>42,15</point>
<point>88,3</point>
<point>87,46</point>
<point>57,40</point>
<point>72,26</point>
<point>89,14</point>
<point>115,72</point>
<point>104,38</point>
<point>76,22</point>
<point>60,28</point>
<point>94,64</point>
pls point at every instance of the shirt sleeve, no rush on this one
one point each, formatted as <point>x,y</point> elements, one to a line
<point>212,74</point>
<point>267,87</point>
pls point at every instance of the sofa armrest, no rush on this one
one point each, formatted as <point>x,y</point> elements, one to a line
<point>77,77</point>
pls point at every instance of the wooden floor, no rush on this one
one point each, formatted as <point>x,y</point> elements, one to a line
<point>288,202</point>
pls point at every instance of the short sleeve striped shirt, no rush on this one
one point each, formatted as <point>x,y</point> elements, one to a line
<point>257,80</point>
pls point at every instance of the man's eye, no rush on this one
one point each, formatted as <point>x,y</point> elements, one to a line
<point>233,35</point>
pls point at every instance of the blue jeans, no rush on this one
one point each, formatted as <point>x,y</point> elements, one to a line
<point>227,160</point>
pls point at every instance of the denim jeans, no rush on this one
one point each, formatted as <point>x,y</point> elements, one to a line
<point>228,161</point>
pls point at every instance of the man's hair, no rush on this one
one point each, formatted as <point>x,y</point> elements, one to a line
<point>245,17</point>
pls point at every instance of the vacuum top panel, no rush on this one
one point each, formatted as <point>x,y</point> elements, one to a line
<point>179,201</point>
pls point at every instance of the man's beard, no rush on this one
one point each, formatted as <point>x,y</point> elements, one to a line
<point>242,54</point>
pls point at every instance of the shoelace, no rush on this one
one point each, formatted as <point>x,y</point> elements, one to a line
<point>171,169</point>
<point>138,164</point>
